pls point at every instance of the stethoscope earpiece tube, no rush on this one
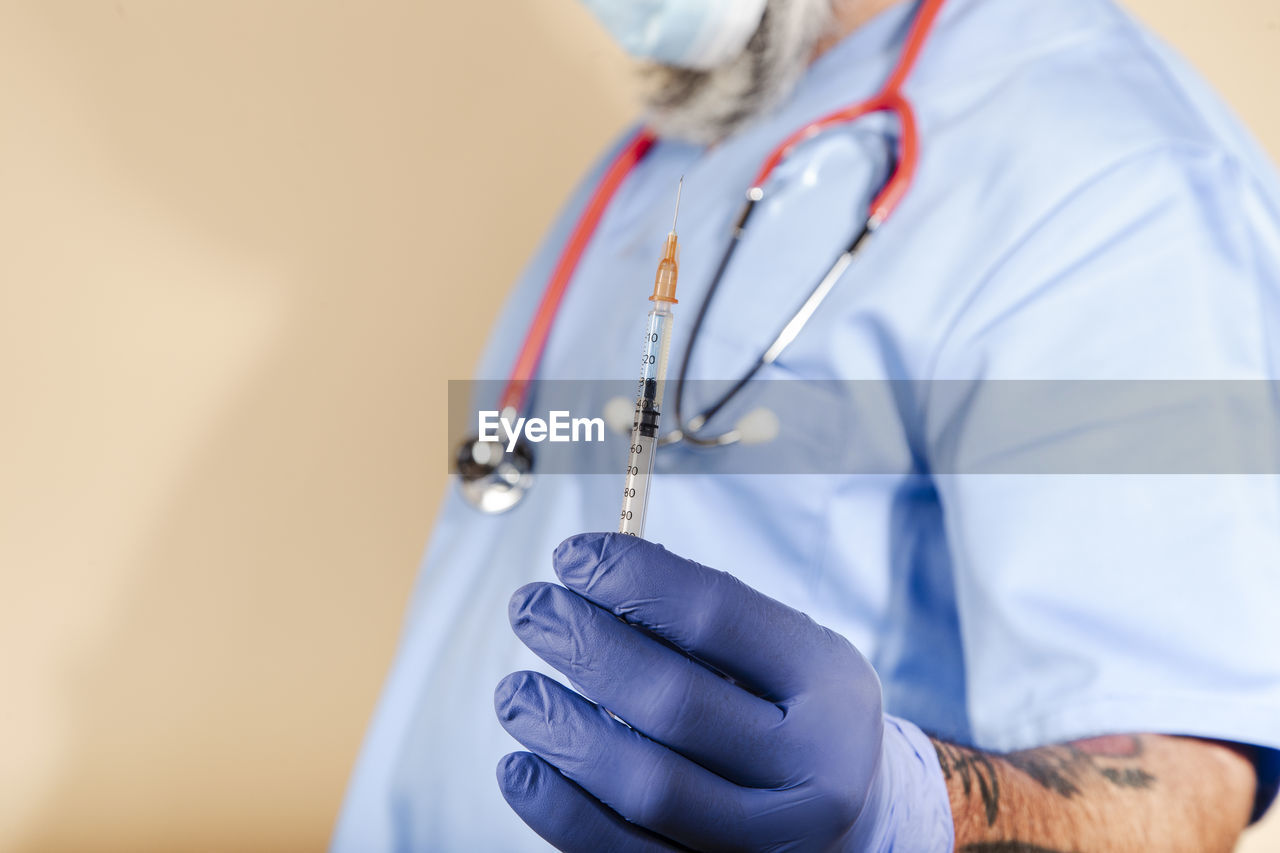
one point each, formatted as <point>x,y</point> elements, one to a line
<point>682,429</point>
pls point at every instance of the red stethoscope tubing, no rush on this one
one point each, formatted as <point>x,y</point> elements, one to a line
<point>889,99</point>
<point>535,341</point>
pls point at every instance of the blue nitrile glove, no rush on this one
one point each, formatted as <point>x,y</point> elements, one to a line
<point>751,726</point>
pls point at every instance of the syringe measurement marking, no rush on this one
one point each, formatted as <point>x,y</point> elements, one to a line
<point>653,377</point>
<point>649,390</point>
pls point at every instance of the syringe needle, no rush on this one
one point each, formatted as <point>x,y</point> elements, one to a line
<point>679,190</point>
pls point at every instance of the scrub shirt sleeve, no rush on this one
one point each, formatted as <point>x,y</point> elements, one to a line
<point>1116,602</point>
<point>368,820</point>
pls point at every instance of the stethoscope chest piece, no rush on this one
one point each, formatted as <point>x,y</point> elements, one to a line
<point>492,478</point>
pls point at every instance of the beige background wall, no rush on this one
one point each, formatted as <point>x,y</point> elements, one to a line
<point>223,226</point>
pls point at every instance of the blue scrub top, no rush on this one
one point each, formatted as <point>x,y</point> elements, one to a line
<point>1085,208</point>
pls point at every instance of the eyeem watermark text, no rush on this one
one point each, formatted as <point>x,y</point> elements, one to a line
<point>559,427</point>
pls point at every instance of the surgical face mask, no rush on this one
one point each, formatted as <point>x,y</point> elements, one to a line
<point>706,106</point>
<point>697,34</point>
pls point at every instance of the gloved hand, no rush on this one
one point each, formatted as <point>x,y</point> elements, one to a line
<point>751,727</point>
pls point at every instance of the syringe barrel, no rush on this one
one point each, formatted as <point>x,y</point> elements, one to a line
<point>653,361</point>
<point>635,490</point>
<point>644,430</point>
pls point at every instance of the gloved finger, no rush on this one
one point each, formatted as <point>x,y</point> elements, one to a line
<point>655,688</point>
<point>569,818</point>
<point>773,649</point>
<point>641,780</point>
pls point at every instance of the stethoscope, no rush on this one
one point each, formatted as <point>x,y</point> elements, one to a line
<point>494,479</point>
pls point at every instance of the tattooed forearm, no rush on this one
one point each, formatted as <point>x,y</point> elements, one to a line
<point>1005,847</point>
<point>1130,792</point>
<point>1063,769</point>
<point>973,770</point>
<point>1060,769</point>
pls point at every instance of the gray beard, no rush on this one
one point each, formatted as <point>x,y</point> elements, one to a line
<point>704,107</point>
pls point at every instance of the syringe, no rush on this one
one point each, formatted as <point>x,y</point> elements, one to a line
<point>653,380</point>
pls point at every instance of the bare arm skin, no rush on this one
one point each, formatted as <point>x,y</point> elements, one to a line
<point>1117,793</point>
